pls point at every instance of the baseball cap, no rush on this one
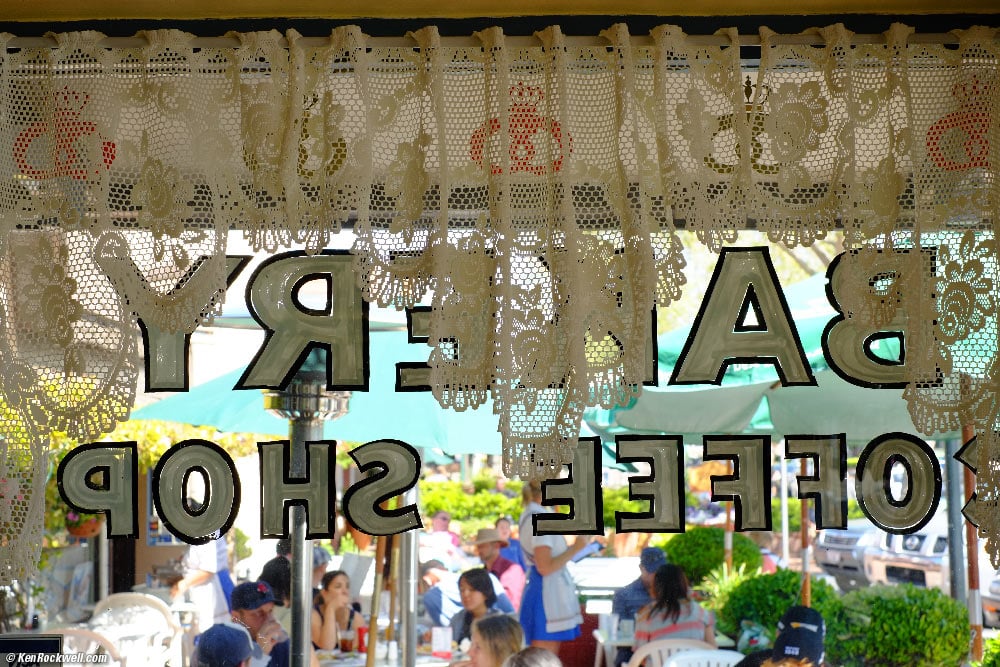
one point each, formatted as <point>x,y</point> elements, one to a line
<point>223,645</point>
<point>487,535</point>
<point>800,643</point>
<point>651,558</point>
<point>798,616</point>
<point>321,556</point>
<point>251,595</point>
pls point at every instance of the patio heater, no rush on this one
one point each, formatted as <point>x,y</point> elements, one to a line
<point>306,404</point>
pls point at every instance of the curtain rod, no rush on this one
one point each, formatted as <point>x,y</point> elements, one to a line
<point>221,42</point>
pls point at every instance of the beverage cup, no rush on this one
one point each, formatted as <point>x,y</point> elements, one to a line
<point>347,641</point>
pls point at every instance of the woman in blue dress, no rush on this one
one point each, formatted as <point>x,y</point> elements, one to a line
<point>550,612</point>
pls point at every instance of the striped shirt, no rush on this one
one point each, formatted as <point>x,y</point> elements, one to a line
<point>690,624</point>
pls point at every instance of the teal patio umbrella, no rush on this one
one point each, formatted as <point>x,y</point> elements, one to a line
<point>751,400</point>
<point>380,413</point>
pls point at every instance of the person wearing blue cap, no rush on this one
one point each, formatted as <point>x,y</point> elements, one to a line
<point>223,645</point>
<point>253,606</point>
<point>632,597</point>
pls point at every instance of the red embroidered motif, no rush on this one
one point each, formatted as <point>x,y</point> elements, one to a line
<point>970,122</point>
<point>524,123</point>
<point>66,129</point>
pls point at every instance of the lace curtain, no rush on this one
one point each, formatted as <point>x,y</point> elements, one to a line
<point>531,187</point>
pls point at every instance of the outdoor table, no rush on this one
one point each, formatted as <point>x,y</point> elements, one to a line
<point>607,648</point>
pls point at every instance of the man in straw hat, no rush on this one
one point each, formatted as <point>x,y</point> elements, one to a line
<point>511,575</point>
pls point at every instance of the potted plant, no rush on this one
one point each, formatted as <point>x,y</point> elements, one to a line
<point>82,525</point>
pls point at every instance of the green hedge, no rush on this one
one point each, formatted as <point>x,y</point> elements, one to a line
<point>702,549</point>
<point>481,508</point>
<point>898,626</point>
<point>764,598</point>
<point>991,653</point>
<point>472,510</point>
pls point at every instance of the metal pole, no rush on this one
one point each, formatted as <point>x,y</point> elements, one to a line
<point>956,564</point>
<point>380,556</point>
<point>103,563</point>
<point>784,510</point>
<point>306,403</point>
<point>972,556</point>
<point>727,535</point>
<point>408,588</point>
<point>806,545</point>
<point>301,431</point>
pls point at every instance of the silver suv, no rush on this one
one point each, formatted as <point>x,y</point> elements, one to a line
<point>841,553</point>
<point>922,559</point>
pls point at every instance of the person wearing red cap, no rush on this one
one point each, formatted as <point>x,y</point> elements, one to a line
<point>253,606</point>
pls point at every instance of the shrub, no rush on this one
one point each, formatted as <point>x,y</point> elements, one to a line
<point>617,500</point>
<point>898,626</point>
<point>762,599</point>
<point>472,510</point>
<point>716,587</point>
<point>991,653</point>
<point>702,549</point>
<point>794,514</point>
<point>481,508</point>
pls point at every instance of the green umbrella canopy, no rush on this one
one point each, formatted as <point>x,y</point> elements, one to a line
<point>750,398</point>
<point>810,311</point>
<point>380,413</point>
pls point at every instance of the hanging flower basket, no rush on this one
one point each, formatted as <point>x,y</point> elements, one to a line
<point>84,525</point>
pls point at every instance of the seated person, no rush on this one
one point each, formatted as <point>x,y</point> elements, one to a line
<point>253,604</point>
<point>332,611</point>
<point>223,645</point>
<point>671,614</point>
<point>441,597</point>
<point>533,656</point>
<point>512,551</point>
<point>494,639</point>
<point>632,597</point>
<point>321,561</point>
<point>795,617</point>
<point>478,601</point>
<point>797,647</point>
<point>277,572</point>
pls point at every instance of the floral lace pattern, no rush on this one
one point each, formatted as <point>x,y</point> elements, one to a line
<point>529,190</point>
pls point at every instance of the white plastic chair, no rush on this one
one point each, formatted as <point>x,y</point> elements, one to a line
<point>141,625</point>
<point>87,642</point>
<point>655,654</point>
<point>704,658</point>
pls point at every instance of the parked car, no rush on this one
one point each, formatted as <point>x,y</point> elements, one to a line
<point>840,553</point>
<point>922,559</point>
